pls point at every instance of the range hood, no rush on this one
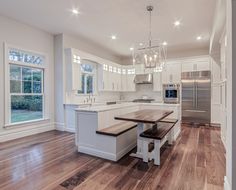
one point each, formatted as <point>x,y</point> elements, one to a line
<point>143,79</point>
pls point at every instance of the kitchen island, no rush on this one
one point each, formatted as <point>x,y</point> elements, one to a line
<point>96,118</point>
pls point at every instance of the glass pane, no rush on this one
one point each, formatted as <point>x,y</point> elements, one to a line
<point>87,68</point>
<point>89,84</point>
<point>37,75</point>
<point>26,57</point>
<point>15,86</point>
<point>15,72</point>
<point>26,108</point>
<point>27,74</point>
<point>37,87</point>
<point>27,86</point>
<point>82,91</point>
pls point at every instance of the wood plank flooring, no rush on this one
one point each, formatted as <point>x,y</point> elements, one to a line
<point>50,161</point>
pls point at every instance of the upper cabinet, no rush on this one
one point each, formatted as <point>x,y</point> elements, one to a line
<point>110,77</point>
<point>197,64</point>
<point>73,70</point>
<point>130,74</point>
<point>157,81</point>
<point>171,73</point>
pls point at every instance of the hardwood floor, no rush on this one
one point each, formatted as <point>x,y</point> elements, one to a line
<point>50,161</point>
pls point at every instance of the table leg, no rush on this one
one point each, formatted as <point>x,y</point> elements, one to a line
<point>139,153</point>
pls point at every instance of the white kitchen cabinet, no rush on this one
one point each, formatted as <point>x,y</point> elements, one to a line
<point>171,73</point>
<point>130,85</point>
<point>73,70</point>
<point>157,81</point>
<point>109,77</point>
<point>198,64</point>
<point>104,83</point>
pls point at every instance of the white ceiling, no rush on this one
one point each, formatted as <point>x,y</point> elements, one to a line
<point>128,19</point>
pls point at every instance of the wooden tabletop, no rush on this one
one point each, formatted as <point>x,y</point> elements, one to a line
<point>145,116</point>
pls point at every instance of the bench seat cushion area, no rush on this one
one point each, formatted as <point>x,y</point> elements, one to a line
<point>160,131</point>
<point>117,129</point>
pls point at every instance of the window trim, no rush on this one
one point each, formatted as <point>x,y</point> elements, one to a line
<point>94,74</point>
<point>7,112</point>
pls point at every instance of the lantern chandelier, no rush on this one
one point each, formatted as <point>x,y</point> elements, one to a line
<point>152,53</point>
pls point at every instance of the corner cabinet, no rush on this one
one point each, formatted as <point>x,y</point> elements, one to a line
<point>73,70</point>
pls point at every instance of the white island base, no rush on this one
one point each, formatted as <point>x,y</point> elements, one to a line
<point>89,120</point>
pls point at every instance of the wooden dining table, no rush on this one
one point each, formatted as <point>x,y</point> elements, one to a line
<point>145,118</point>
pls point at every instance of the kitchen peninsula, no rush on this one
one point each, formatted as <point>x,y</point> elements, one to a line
<point>94,124</point>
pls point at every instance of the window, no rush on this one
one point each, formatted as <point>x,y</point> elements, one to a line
<point>25,86</point>
<point>130,71</point>
<point>88,70</point>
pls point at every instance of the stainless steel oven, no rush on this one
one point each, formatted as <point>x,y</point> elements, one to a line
<point>171,93</point>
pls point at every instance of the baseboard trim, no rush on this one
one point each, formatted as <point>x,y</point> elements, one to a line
<point>124,151</point>
<point>12,134</point>
<point>59,126</point>
<point>226,184</point>
<point>97,153</point>
<point>177,134</point>
<point>70,130</point>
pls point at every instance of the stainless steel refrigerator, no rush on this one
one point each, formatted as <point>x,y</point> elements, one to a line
<point>196,97</point>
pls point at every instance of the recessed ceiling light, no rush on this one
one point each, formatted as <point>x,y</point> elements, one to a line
<point>113,37</point>
<point>141,44</point>
<point>199,37</point>
<point>164,43</point>
<point>131,49</point>
<point>75,11</point>
<point>177,23</point>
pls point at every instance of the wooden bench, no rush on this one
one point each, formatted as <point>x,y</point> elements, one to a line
<point>117,129</point>
<point>158,134</point>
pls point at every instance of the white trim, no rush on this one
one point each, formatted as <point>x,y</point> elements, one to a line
<point>7,94</point>
<point>59,126</point>
<point>26,123</point>
<point>123,152</point>
<point>71,130</point>
<point>12,134</point>
<point>96,152</point>
<point>226,184</point>
<point>177,134</point>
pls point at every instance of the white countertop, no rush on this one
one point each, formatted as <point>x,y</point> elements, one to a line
<point>100,108</point>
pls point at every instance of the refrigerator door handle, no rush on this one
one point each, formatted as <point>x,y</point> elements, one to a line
<point>196,96</point>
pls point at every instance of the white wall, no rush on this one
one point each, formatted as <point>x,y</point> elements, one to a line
<point>29,38</point>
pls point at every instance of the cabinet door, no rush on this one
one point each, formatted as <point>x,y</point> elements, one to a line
<point>175,75</point>
<point>76,76</point>
<point>203,66</point>
<point>124,82</point>
<point>187,66</point>
<point>157,81</point>
<point>171,73</point>
<point>130,83</point>
<point>166,74</point>
<point>106,81</point>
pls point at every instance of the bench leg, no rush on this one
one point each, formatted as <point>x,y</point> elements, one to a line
<point>156,152</point>
<point>145,150</point>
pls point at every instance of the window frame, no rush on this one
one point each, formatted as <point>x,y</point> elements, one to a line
<point>8,94</point>
<point>93,73</point>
